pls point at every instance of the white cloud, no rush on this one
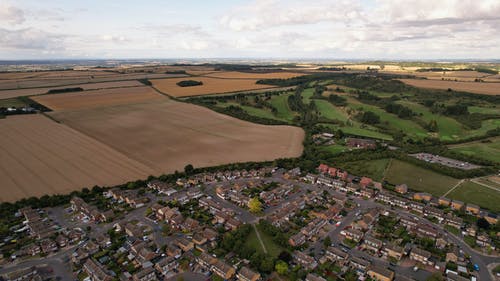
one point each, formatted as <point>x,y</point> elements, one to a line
<point>31,38</point>
<point>11,15</point>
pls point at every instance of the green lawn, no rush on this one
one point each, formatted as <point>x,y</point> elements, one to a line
<point>281,104</point>
<point>484,110</point>
<point>489,151</point>
<point>449,128</point>
<point>307,94</point>
<point>419,178</point>
<point>357,130</point>
<point>486,126</point>
<point>335,148</point>
<point>391,120</point>
<point>371,168</point>
<point>477,194</point>
<point>272,248</point>
<point>330,111</point>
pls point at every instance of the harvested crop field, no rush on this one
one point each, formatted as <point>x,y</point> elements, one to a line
<point>98,98</point>
<point>253,75</point>
<point>210,86</point>
<point>167,135</point>
<point>4,94</point>
<point>472,87</point>
<point>40,156</point>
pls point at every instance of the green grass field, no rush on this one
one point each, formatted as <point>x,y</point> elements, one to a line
<point>272,248</point>
<point>372,168</point>
<point>281,104</point>
<point>489,151</point>
<point>419,179</point>
<point>391,120</point>
<point>449,128</point>
<point>307,95</point>
<point>335,148</point>
<point>477,194</point>
<point>356,129</point>
<point>330,111</point>
<point>484,110</point>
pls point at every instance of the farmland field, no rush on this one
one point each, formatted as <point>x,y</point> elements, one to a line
<point>41,157</point>
<point>486,150</point>
<point>472,87</point>
<point>251,75</point>
<point>418,178</point>
<point>210,86</point>
<point>372,168</point>
<point>98,98</point>
<point>359,131</point>
<point>90,86</point>
<point>477,194</point>
<point>167,135</point>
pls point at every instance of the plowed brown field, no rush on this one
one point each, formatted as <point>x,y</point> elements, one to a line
<point>167,135</point>
<point>472,87</point>
<point>98,98</point>
<point>39,156</point>
<point>210,86</point>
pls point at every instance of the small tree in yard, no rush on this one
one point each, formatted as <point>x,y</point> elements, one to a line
<point>255,205</point>
<point>327,242</point>
<point>281,267</point>
<point>188,169</point>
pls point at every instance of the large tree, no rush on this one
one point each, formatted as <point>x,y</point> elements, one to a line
<point>255,205</point>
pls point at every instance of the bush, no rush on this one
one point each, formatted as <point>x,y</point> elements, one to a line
<point>189,83</point>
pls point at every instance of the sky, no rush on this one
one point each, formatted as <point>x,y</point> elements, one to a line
<point>267,29</point>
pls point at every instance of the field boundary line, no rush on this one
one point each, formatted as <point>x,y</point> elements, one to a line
<point>485,185</point>
<point>387,169</point>
<point>453,188</point>
<point>260,239</point>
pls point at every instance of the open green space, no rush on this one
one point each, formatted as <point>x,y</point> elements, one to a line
<point>334,148</point>
<point>307,95</point>
<point>391,120</point>
<point>484,110</point>
<point>283,110</point>
<point>273,249</point>
<point>371,168</point>
<point>358,130</point>
<point>485,150</point>
<point>330,111</point>
<point>259,112</point>
<point>471,192</point>
<point>419,179</point>
<point>448,127</point>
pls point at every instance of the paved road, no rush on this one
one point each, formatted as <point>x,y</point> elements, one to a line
<point>59,262</point>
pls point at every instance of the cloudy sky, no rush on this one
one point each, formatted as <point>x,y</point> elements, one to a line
<point>335,29</point>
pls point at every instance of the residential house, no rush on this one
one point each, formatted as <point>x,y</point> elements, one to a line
<point>443,201</point>
<point>365,181</point>
<point>417,207</point>
<point>423,230</point>
<point>491,218</point>
<point>307,262</point>
<point>166,265</point>
<point>96,271</point>
<point>422,196</point>
<point>472,209</point>
<point>457,205</point>
<point>62,241</point>
<point>394,251</point>
<point>314,277</point>
<point>336,255</point>
<point>297,239</point>
<point>372,243</point>
<point>185,244</point>
<point>359,264</point>
<point>323,168</point>
<point>48,246</point>
<point>246,274</point>
<point>401,188</point>
<point>223,269</point>
<point>146,274</point>
<point>421,256</point>
<point>361,143</point>
<point>452,256</point>
<point>454,221</point>
<point>380,274</point>
<point>408,222</point>
<point>353,234</point>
